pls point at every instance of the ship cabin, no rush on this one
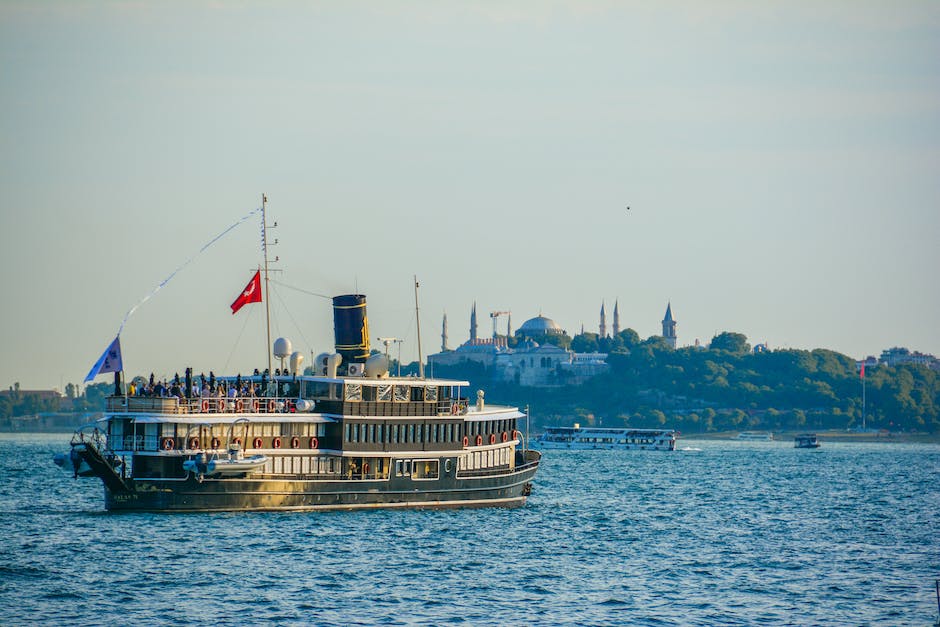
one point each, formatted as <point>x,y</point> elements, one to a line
<point>315,427</point>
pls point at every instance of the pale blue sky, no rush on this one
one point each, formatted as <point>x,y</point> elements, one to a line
<point>782,162</point>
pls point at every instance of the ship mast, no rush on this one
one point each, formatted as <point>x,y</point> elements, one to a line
<point>267,291</point>
<point>418,324</point>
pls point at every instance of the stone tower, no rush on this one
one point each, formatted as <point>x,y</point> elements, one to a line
<point>669,326</point>
<point>603,326</point>
<point>616,318</point>
<point>444,334</point>
<point>473,322</point>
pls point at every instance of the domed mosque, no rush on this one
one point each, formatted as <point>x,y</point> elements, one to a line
<point>540,325</point>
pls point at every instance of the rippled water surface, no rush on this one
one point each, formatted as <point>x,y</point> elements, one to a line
<point>734,533</point>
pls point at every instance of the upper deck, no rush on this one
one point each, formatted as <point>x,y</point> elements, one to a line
<point>315,399</point>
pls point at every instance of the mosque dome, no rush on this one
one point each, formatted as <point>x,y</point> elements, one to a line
<point>540,325</point>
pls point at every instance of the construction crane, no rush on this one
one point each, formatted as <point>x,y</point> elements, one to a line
<point>495,315</point>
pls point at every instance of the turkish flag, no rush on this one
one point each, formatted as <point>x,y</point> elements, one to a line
<point>251,293</point>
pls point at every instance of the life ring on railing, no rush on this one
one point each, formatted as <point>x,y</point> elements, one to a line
<point>193,443</point>
<point>454,409</point>
<point>256,443</point>
<point>205,405</point>
<point>167,444</point>
<point>216,442</point>
<point>237,441</point>
<point>314,443</point>
<point>505,437</point>
<point>479,440</point>
<point>276,443</point>
<point>365,468</point>
<point>295,442</point>
<point>492,438</point>
<point>466,441</point>
<point>255,405</point>
<point>515,434</point>
<point>272,407</point>
<point>239,405</point>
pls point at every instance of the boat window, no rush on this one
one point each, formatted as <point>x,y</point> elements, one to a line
<point>411,434</point>
<point>368,393</point>
<point>385,392</point>
<point>430,394</point>
<point>426,469</point>
<point>353,391</point>
<point>407,468</point>
<point>371,437</point>
<point>401,393</point>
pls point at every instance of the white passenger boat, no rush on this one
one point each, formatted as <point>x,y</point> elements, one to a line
<point>581,438</point>
<point>755,436</point>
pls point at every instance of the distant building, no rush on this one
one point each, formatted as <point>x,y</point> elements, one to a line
<point>669,327</point>
<point>898,356</point>
<point>528,363</point>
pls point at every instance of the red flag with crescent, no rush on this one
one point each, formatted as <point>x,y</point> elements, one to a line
<point>251,293</point>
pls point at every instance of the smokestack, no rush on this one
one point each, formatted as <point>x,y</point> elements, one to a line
<point>351,327</point>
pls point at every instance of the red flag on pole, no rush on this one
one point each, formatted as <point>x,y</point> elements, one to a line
<point>862,371</point>
<point>251,293</point>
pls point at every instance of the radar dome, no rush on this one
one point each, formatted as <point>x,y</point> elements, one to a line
<point>281,347</point>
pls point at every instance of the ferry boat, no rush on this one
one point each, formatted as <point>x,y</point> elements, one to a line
<point>346,436</point>
<point>805,440</point>
<point>755,436</point>
<point>581,438</point>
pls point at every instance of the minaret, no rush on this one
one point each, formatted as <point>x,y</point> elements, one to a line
<point>444,334</point>
<point>616,319</point>
<point>473,322</point>
<point>508,325</point>
<point>669,326</point>
<point>603,327</point>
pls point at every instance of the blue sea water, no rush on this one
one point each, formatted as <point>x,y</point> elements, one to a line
<point>735,533</point>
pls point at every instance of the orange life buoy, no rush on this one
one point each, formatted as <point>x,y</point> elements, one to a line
<point>276,443</point>
<point>365,468</point>
<point>255,405</point>
<point>272,407</point>
<point>237,441</point>
<point>505,437</point>
<point>239,405</point>
<point>492,438</point>
<point>205,405</point>
<point>479,440</point>
<point>168,444</point>
<point>455,409</point>
<point>515,434</point>
<point>216,442</point>
<point>314,443</point>
<point>295,442</point>
<point>193,443</point>
<point>466,441</point>
<point>256,443</point>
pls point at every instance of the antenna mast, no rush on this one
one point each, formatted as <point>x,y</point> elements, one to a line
<point>267,291</point>
<point>418,323</point>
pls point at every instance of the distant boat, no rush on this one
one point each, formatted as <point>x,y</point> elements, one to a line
<point>582,438</point>
<point>755,436</point>
<point>805,440</point>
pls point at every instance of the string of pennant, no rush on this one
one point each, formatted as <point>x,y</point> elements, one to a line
<point>186,263</point>
<point>110,360</point>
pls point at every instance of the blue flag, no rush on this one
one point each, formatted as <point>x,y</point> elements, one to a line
<point>110,361</point>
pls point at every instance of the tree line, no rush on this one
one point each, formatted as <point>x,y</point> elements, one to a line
<point>725,386</point>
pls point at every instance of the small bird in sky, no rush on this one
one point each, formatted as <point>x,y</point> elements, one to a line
<point>628,208</point>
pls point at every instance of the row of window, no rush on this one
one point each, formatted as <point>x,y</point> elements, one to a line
<point>490,458</point>
<point>408,433</point>
<point>387,392</point>
<point>411,433</point>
